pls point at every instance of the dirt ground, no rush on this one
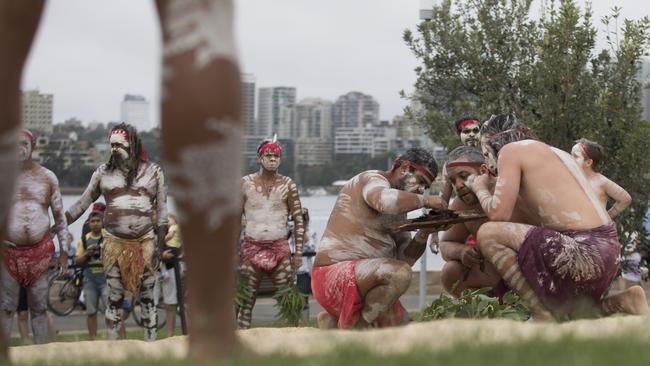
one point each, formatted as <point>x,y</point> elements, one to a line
<point>310,341</point>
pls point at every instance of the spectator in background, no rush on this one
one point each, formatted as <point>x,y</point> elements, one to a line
<point>167,278</point>
<point>89,256</point>
<point>304,272</point>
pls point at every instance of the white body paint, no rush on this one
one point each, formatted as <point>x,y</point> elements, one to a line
<point>202,27</point>
<point>267,213</point>
<point>207,188</point>
<point>37,191</point>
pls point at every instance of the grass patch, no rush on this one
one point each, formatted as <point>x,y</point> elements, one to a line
<point>566,351</point>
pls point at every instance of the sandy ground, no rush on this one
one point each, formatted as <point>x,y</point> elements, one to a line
<point>309,341</point>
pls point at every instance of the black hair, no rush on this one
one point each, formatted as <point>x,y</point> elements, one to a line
<point>95,214</point>
<point>418,156</point>
<point>135,151</point>
<point>470,153</point>
<point>500,130</point>
<point>594,150</point>
<point>463,119</point>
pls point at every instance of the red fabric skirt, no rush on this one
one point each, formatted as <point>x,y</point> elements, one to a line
<point>265,254</point>
<point>27,263</point>
<point>335,289</point>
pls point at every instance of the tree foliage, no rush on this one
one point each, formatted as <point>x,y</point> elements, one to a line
<point>486,57</point>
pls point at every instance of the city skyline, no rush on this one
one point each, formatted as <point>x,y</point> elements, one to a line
<point>89,53</point>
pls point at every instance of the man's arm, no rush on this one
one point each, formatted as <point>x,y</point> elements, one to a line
<point>161,208</point>
<point>618,194</point>
<point>377,194</point>
<point>295,207</point>
<point>410,250</point>
<point>60,224</point>
<point>90,195</point>
<point>500,205</point>
<point>56,205</point>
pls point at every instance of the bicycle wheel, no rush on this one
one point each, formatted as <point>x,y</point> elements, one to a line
<point>62,295</point>
<point>160,310</point>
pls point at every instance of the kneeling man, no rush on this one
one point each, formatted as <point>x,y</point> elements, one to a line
<point>363,265</point>
<point>465,267</point>
<point>564,261</point>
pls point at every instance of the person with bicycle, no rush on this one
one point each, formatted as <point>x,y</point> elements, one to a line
<point>89,257</point>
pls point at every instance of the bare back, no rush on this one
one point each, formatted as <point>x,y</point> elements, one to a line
<point>553,190</point>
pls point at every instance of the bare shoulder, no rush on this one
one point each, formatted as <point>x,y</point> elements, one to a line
<point>47,174</point>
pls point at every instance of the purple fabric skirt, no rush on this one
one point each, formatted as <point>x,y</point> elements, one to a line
<point>569,270</point>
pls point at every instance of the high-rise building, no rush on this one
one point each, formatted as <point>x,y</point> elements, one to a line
<point>248,103</point>
<point>313,119</point>
<point>355,109</point>
<point>274,111</point>
<point>37,111</point>
<point>363,140</point>
<point>135,111</point>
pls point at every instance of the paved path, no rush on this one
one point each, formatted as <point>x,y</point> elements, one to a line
<point>263,312</point>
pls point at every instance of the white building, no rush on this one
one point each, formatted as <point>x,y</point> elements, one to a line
<point>248,103</point>
<point>135,111</point>
<point>355,109</point>
<point>363,140</point>
<point>37,111</point>
<point>273,115</point>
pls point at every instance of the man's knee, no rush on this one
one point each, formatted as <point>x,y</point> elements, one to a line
<point>487,235</point>
<point>451,275</point>
<point>400,276</point>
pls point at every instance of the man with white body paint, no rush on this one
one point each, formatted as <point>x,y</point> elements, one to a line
<point>363,264</point>
<point>589,154</point>
<point>469,131</point>
<point>29,244</point>
<point>133,188</point>
<point>564,258</point>
<point>465,267</point>
<point>201,129</point>
<point>268,199</point>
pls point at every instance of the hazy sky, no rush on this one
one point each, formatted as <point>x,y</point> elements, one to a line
<point>89,53</point>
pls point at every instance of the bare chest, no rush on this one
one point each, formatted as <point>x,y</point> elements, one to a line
<point>33,187</point>
<point>113,183</point>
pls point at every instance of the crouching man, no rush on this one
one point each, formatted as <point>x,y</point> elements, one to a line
<point>363,265</point>
<point>563,261</point>
<point>465,267</point>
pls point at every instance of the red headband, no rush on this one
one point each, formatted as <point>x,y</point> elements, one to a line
<point>29,135</point>
<point>120,132</point>
<point>425,171</point>
<point>273,148</point>
<point>584,151</point>
<point>464,163</point>
<point>467,122</point>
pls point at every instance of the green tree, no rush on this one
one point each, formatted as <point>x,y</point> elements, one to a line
<point>489,56</point>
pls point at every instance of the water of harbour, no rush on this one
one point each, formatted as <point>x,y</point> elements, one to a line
<point>319,211</point>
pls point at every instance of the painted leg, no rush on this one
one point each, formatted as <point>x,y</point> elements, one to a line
<point>631,301</point>
<point>37,300</point>
<point>326,321</point>
<point>23,327</point>
<point>9,293</point>
<point>457,278</point>
<point>115,300</point>
<point>18,24</point>
<point>254,276</point>
<point>381,282</point>
<point>148,305</point>
<point>499,243</point>
<point>201,132</point>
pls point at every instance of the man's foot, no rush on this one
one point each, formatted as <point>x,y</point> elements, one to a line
<point>326,321</point>
<point>631,301</point>
<point>541,317</point>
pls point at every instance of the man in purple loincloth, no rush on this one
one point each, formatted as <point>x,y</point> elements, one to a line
<point>565,256</point>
